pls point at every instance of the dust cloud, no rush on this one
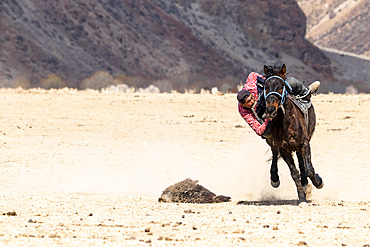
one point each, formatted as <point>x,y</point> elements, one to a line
<point>149,169</point>
<point>249,174</point>
<point>251,177</point>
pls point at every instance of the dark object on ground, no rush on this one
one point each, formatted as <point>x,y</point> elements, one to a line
<point>10,213</point>
<point>189,191</point>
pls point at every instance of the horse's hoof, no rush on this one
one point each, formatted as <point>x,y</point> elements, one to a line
<point>308,190</point>
<point>320,187</point>
<point>303,203</point>
<point>302,197</point>
<point>318,183</point>
<point>275,184</point>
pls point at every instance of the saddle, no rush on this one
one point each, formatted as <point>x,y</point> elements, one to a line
<point>302,104</point>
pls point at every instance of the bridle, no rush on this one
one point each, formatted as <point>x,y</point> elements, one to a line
<point>283,95</point>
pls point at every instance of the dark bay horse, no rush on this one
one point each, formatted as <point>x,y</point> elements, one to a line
<point>290,132</point>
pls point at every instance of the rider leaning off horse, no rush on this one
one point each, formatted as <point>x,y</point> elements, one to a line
<point>252,102</point>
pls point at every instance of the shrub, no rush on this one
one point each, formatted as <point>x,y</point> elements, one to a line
<point>53,81</point>
<point>164,85</point>
<point>362,87</point>
<point>99,80</point>
<point>123,79</point>
<point>22,82</point>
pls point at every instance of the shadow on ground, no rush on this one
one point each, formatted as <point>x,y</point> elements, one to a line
<point>271,203</point>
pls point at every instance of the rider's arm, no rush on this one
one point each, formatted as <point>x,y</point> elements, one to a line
<point>251,83</point>
<point>248,116</point>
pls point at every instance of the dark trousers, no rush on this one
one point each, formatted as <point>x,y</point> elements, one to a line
<point>298,89</point>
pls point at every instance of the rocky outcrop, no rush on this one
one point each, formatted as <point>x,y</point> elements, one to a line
<point>205,42</point>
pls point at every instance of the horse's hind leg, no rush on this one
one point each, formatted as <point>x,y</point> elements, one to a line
<point>295,174</point>
<point>315,178</point>
<point>275,182</point>
<point>303,169</point>
<point>307,188</point>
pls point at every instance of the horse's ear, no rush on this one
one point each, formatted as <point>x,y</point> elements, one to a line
<point>265,69</point>
<point>282,72</point>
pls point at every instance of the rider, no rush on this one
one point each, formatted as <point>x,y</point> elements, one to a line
<point>252,103</point>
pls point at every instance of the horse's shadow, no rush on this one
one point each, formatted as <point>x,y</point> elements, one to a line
<point>271,203</point>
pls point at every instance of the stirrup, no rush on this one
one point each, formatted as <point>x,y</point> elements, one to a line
<point>306,96</point>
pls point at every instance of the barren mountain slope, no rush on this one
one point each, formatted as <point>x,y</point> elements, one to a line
<point>154,39</point>
<point>339,24</point>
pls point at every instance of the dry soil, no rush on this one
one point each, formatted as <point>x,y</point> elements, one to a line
<point>83,168</point>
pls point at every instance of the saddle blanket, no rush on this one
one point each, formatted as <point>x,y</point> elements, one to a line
<point>303,106</point>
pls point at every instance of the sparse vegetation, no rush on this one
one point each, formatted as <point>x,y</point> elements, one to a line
<point>164,85</point>
<point>22,82</point>
<point>362,87</point>
<point>53,81</point>
<point>123,79</point>
<point>97,81</point>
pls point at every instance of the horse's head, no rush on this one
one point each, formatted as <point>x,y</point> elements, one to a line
<point>274,91</point>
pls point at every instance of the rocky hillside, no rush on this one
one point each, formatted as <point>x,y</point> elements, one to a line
<point>195,43</point>
<point>339,24</point>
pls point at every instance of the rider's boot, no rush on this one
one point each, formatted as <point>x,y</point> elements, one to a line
<point>311,90</point>
<point>314,87</point>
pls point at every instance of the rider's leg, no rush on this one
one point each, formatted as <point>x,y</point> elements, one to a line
<point>298,89</point>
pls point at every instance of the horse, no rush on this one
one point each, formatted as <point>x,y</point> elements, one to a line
<point>289,132</point>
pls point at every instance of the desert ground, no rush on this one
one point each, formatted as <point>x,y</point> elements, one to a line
<point>85,168</point>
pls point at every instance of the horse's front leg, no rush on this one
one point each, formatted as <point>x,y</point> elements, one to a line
<point>288,158</point>
<point>275,182</point>
<point>315,178</point>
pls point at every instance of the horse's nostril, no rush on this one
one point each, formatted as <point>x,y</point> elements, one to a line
<point>270,109</point>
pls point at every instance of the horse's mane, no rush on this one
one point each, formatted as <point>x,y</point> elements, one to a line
<point>273,69</point>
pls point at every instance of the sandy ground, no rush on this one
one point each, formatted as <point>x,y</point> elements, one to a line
<point>86,169</point>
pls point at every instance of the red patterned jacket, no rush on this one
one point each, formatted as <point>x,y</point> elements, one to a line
<point>247,114</point>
